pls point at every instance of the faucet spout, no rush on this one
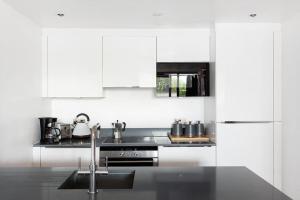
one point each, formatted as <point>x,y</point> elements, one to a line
<point>93,165</point>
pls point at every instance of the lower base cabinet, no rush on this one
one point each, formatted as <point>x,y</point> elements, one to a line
<point>168,156</point>
<point>187,156</point>
<point>247,144</point>
<point>62,157</point>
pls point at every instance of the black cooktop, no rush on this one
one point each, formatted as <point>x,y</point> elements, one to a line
<point>130,140</point>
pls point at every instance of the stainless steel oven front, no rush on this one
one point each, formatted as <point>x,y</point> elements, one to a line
<point>139,156</point>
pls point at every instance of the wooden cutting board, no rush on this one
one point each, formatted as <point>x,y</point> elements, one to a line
<point>188,139</point>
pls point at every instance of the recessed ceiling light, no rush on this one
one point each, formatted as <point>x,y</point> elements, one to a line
<point>60,14</point>
<point>253,15</point>
<point>157,14</point>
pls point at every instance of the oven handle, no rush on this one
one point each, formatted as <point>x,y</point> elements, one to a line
<point>154,162</point>
<point>131,161</point>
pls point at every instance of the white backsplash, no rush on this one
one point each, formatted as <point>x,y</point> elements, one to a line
<point>139,108</point>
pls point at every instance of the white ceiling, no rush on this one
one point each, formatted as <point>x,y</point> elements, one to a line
<point>139,13</point>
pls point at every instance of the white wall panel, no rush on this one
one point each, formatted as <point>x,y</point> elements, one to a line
<point>291,106</point>
<point>20,85</point>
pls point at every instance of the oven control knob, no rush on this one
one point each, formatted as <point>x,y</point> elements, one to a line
<point>136,154</point>
<point>122,154</point>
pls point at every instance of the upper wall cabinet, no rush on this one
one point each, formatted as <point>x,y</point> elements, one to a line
<point>245,72</point>
<point>183,46</point>
<point>129,61</point>
<point>73,64</point>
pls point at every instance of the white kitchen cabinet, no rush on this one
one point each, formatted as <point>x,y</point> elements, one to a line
<point>278,155</point>
<point>246,144</point>
<point>36,156</point>
<point>129,61</point>
<point>277,76</point>
<point>73,64</point>
<point>187,156</point>
<point>183,46</point>
<point>66,157</point>
<point>244,72</point>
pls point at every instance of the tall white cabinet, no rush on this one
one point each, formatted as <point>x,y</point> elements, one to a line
<point>244,72</point>
<point>248,98</point>
<point>129,61</point>
<point>73,64</point>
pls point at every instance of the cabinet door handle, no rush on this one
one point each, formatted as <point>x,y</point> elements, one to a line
<point>79,163</point>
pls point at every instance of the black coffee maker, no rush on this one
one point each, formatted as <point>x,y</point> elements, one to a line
<point>49,133</point>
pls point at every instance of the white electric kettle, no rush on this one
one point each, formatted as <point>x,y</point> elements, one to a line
<point>81,126</point>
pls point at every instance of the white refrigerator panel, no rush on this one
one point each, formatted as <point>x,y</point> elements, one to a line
<point>246,144</point>
<point>244,78</point>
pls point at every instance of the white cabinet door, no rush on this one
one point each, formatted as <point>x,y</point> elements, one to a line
<point>244,73</point>
<point>183,46</point>
<point>277,76</point>
<point>36,156</point>
<point>187,156</point>
<point>66,157</point>
<point>249,145</point>
<point>278,155</point>
<point>74,64</point>
<point>129,61</point>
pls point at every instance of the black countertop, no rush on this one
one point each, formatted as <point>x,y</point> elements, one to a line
<point>153,183</point>
<point>155,141</point>
<point>69,143</point>
<point>158,136</point>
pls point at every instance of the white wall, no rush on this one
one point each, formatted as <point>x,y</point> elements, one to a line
<point>291,104</point>
<point>20,87</point>
<point>137,107</point>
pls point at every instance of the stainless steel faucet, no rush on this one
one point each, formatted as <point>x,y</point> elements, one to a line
<point>93,165</point>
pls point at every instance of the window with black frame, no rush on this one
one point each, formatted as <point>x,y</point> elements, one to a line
<point>182,79</point>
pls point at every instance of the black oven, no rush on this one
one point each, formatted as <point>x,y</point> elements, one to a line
<point>122,156</point>
<point>182,79</point>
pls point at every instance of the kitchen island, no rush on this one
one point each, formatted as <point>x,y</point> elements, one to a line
<point>150,183</point>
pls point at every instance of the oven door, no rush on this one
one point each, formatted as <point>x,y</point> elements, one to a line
<point>126,162</point>
<point>119,156</point>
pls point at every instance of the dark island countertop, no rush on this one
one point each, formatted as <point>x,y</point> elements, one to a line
<point>153,183</point>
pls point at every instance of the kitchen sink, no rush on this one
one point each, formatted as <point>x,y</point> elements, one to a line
<point>113,180</point>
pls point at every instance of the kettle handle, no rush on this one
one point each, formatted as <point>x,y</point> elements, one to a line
<point>59,132</point>
<point>85,115</point>
<point>124,126</point>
